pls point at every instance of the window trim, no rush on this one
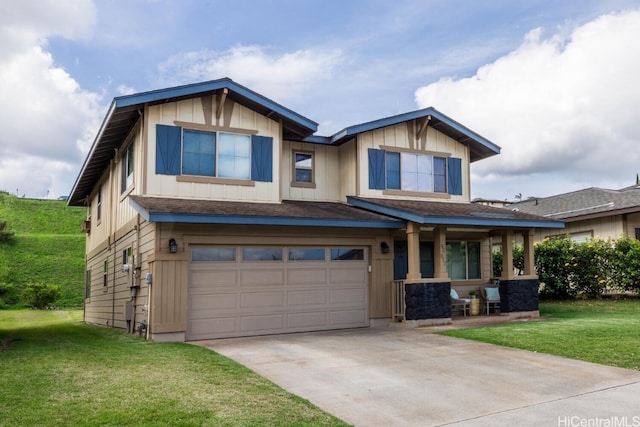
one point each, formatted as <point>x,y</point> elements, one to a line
<point>303,184</point>
<point>128,179</point>
<point>99,206</point>
<point>217,162</point>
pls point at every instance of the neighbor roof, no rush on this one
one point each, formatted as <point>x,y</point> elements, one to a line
<point>125,111</point>
<point>583,204</point>
<point>289,212</point>
<point>460,214</point>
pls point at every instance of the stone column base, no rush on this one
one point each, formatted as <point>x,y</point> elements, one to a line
<point>518,295</point>
<point>427,301</point>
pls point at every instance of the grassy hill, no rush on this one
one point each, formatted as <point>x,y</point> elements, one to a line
<point>48,246</point>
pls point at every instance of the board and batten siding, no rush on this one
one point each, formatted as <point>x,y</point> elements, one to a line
<point>401,136</point>
<point>326,165</point>
<point>233,116</point>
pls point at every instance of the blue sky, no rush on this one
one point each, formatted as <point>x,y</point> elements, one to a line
<point>551,82</point>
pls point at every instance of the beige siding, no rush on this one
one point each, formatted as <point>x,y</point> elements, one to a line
<point>348,168</point>
<point>402,136</point>
<point>326,168</point>
<point>107,303</point>
<point>234,116</point>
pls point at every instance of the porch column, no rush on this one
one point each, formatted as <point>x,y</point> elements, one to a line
<point>440,253</point>
<point>426,299</point>
<point>507,255</point>
<point>529,262</point>
<point>413,252</point>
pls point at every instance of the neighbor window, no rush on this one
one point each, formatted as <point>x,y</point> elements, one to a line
<point>217,154</point>
<point>414,172</point>
<point>463,260</point>
<point>303,167</point>
<point>127,168</point>
<point>104,274</point>
<point>99,207</point>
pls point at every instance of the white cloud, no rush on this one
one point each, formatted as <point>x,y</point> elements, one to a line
<point>282,77</point>
<point>564,109</point>
<point>47,120</point>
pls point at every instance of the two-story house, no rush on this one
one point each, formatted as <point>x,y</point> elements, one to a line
<point>216,212</point>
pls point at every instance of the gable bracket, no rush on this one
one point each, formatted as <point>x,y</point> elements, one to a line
<point>423,127</point>
<point>222,97</point>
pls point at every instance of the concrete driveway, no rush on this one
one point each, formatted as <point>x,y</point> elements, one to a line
<point>409,377</point>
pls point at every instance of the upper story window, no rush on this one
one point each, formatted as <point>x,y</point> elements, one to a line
<point>127,168</point>
<point>414,172</point>
<point>99,205</point>
<point>213,154</point>
<point>219,154</point>
<point>303,168</point>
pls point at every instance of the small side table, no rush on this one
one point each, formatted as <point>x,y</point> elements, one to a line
<point>474,307</point>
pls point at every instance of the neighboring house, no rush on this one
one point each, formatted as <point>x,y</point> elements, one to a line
<point>588,213</point>
<point>216,212</point>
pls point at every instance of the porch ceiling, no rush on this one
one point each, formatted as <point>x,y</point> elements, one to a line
<point>452,214</point>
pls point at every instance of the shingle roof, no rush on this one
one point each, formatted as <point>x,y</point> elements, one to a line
<point>583,204</point>
<point>447,213</point>
<point>289,212</point>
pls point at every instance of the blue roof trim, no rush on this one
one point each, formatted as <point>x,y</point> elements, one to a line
<point>451,220</point>
<point>195,88</point>
<point>317,139</point>
<point>393,120</point>
<point>253,220</point>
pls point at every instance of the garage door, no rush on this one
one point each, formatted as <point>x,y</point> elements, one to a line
<point>254,290</point>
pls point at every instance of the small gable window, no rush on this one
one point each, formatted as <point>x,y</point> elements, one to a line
<point>303,166</point>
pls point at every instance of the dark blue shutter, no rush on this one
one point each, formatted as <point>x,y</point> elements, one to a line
<point>168,144</point>
<point>454,175</point>
<point>376,169</point>
<point>262,158</point>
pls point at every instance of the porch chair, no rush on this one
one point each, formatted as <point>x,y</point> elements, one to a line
<point>457,302</point>
<point>491,297</point>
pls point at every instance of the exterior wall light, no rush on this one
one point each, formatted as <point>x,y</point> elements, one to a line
<point>173,246</point>
<point>384,247</point>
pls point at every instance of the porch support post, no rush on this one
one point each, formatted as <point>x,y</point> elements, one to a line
<point>440,255</point>
<point>529,263</point>
<point>507,254</point>
<point>413,252</point>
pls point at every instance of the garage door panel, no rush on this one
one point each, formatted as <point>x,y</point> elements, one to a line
<point>262,299</point>
<point>354,274</point>
<point>307,276</point>
<point>218,301</point>
<point>306,297</point>
<point>263,324</point>
<point>262,277</point>
<point>353,296</point>
<point>304,321</point>
<point>222,277</point>
<point>201,329</point>
<point>353,317</point>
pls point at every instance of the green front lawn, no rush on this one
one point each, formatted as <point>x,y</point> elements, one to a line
<point>599,331</point>
<point>55,370</point>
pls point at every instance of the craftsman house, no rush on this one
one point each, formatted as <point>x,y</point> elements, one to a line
<point>216,212</point>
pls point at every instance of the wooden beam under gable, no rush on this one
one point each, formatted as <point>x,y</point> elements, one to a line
<point>222,97</point>
<point>421,131</point>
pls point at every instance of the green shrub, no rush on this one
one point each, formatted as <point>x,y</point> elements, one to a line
<point>625,264</point>
<point>553,264</point>
<point>6,236</point>
<point>40,295</point>
<point>590,267</point>
<point>9,295</point>
<point>497,263</point>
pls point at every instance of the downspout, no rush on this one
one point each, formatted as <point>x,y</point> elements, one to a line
<point>112,222</point>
